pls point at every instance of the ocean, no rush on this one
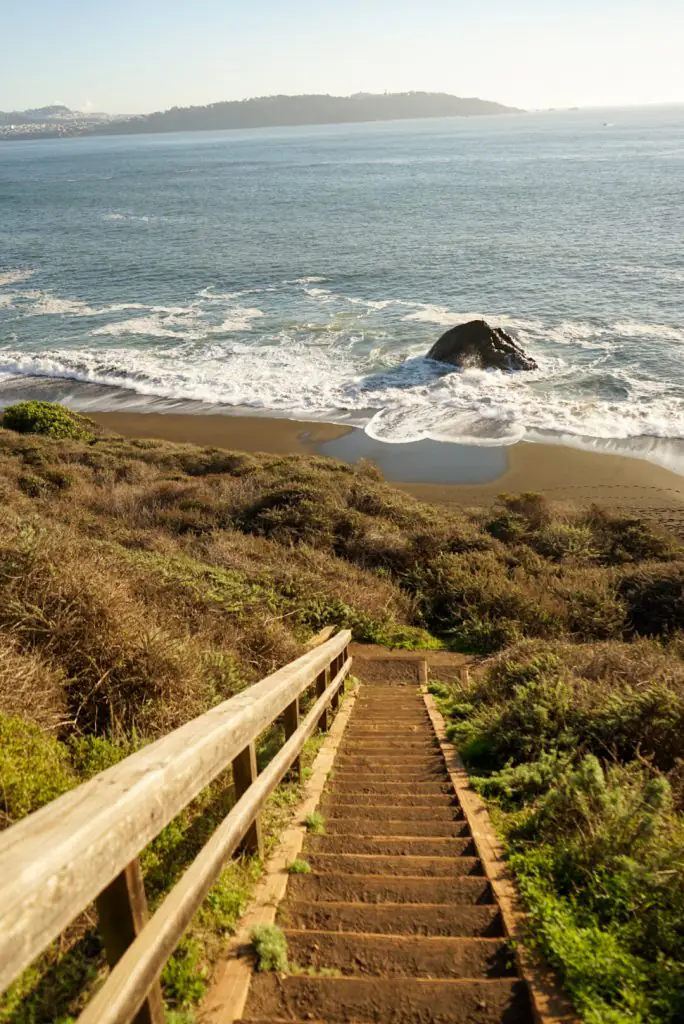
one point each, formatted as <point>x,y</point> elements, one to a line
<point>305,272</point>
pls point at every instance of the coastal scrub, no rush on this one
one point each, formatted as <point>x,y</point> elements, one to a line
<point>142,582</point>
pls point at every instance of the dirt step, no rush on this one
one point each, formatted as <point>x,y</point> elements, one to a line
<point>392,1001</point>
<point>418,755</point>
<point>382,889</point>
<point>366,728</point>
<point>372,827</point>
<point>365,775</point>
<point>390,847</point>
<point>383,704</point>
<point>388,763</point>
<point>391,812</point>
<point>437,799</point>
<point>394,918</point>
<point>375,864</point>
<point>399,956</point>
<point>388,752</point>
<point>390,789</point>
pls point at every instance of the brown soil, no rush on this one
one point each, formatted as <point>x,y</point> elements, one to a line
<point>400,955</point>
<point>392,846</point>
<point>395,1001</point>
<point>394,918</point>
<point>371,864</point>
<point>386,889</point>
<point>396,923</point>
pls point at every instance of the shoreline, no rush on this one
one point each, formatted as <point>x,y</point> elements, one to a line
<point>433,471</point>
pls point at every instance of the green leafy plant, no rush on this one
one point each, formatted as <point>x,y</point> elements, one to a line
<point>299,867</point>
<point>47,418</point>
<point>315,823</point>
<point>270,945</point>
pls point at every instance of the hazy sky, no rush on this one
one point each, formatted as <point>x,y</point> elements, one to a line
<point>140,55</point>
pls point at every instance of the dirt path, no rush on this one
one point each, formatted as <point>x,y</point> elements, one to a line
<point>396,924</point>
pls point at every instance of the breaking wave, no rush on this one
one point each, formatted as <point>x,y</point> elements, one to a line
<point>302,349</point>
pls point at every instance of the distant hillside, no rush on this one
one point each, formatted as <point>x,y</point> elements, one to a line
<point>272,111</point>
<point>37,115</point>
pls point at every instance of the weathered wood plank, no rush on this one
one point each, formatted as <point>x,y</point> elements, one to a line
<point>57,861</point>
<point>322,682</point>
<point>291,719</point>
<point>122,915</point>
<point>244,775</point>
<point>120,997</point>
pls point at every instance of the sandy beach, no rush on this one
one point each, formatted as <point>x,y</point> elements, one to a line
<point>443,473</point>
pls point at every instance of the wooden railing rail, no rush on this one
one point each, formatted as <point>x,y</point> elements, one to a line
<point>84,846</point>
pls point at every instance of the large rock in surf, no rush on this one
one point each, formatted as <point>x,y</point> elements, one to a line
<point>476,344</point>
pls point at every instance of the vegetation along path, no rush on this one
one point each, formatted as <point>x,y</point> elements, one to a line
<point>395,920</point>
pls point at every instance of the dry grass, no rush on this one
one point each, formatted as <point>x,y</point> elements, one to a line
<point>141,582</point>
<point>151,580</point>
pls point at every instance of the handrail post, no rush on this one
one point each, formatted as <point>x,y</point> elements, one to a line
<point>122,913</point>
<point>244,774</point>
<point>337,664</point>
<point>322,684</point>
<point>291,722</point>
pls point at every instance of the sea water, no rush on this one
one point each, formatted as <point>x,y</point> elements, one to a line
<point>305,272</point>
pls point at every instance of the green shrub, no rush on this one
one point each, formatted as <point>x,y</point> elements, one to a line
<point>654,598</point>
<point>559,541</point>
<point>270,946</point>
<point>299,867</point>
<point>315,823</point>
<point>34,769</point>
<point>47,418</point>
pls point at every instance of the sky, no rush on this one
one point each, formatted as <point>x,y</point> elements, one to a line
<point>135,56</point>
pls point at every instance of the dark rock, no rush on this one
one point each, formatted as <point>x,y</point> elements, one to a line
<point>476,344</point>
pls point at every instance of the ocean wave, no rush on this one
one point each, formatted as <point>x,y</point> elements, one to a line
<point>313,352</point>
<point>410,401</point>
<point>142,218</point>
<point>14,276</point>
<point>634,329</point>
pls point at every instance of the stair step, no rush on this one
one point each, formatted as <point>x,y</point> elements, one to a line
<point>394,918</point>
<point>389,766</point>
<point>346,798</point>
<point>390,846</point>
<point>375,864</point>
<point>380,1001</point>
<point>372,827</point>
<point>392,790</point>
<point>435,773</point>
<point>393,812</point>
<point>350,888</point>
<point>365,727</point>
<point>353,953</point>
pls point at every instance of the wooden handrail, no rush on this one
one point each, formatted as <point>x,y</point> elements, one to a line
<point>55,862</point>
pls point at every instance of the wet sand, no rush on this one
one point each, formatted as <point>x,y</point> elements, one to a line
<point>432,471</point>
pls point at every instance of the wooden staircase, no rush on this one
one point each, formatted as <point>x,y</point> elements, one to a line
<point>396,923</point>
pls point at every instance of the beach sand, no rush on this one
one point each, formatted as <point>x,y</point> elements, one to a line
<point>436,472</point>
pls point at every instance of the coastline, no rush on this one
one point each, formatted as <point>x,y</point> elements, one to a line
<point>432,471</point>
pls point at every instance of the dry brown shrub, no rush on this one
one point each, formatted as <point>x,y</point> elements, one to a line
<point>30,687</point>
<point>67,599</point>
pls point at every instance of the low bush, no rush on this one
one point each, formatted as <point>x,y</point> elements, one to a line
<point>299,867</point>
<point>270,947</point>
<point>48,419</point>
<point>142,582</point>
<point>582,748</point>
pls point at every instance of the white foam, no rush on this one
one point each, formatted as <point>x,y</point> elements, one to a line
<point>14,276</point>
<point>634,329</point>
<point>143,219</point>
<point>351,359</point>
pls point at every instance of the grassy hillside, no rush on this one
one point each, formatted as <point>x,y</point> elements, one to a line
<point>141,582</point>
